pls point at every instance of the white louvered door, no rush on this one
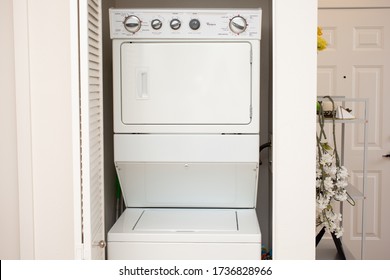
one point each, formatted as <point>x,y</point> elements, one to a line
<point>91,112</point>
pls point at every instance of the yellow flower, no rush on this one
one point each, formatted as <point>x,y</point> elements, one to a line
<point>321,42</point>
<point>319,31</point>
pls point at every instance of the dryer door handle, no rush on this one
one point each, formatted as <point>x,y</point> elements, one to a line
<point>142,83</point>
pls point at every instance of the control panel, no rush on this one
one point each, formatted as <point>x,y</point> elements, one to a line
<point>185,24</point>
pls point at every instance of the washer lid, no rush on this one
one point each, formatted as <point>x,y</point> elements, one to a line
<point>187,220</point>
<point>186,225</point>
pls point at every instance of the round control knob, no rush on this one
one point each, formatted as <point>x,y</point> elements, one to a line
<point>175,24</point>
<point>156,24</point>
<point>194,24</point>
<point>132,24</point>
<point>237,24</point>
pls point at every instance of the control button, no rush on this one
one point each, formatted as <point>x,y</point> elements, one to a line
<point>237,24</point>
<point>132,24</point>
<point>194,24</point>
<point>156,24</point>
<point>175,24</point>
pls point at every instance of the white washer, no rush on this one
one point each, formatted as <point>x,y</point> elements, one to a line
<point>185,234</point>
<point>186,124</point>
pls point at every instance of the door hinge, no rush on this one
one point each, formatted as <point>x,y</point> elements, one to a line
<point>250,112</point>
<point>251,57</point>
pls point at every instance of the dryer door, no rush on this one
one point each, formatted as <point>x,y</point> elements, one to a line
<point>186,83</point>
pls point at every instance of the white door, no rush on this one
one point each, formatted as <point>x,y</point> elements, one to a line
<point>357,64</point>
<point>91,113</point>
<point>183,83</point>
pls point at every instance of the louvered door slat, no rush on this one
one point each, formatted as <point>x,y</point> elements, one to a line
<point>93,15</point>
<point>92,39</point>
<point>94,3</point>
<point>94,60</point>
<point>93,81</point>
<point>94,30</point>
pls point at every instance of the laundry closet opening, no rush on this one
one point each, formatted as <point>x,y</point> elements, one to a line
<point>113,198</point>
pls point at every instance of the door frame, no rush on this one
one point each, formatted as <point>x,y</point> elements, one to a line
<point>340,4</point>
<point>75,88</point>
<point>30,98</point>
<point>23,128</point>
<point>294,83</point>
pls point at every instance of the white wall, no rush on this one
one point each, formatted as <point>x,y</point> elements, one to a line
<point>294,126</point>
<point>9,202</point>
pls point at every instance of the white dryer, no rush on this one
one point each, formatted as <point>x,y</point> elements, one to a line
<point>186,133</point>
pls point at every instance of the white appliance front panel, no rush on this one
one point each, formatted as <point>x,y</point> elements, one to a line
<point>214,23</point>
<point>183,251</point>
<point>186,83</point>
<point>188,184</point>
<point>206,86</point>
<point>187,220</point>
<point>186,148</point>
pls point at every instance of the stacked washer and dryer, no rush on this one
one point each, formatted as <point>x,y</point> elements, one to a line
<point>186,133</point>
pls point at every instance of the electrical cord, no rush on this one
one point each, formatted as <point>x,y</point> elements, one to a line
<point>262,147</point>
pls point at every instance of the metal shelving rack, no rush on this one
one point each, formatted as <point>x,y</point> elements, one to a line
<point>352,190</point>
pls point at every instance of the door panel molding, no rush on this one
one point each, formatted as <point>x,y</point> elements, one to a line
<point>23,123</point>
<point>361,61</point>
<point>353,4</point>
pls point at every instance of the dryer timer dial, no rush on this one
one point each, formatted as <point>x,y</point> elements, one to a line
<point>238,24</point>
<point>132,23</point>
